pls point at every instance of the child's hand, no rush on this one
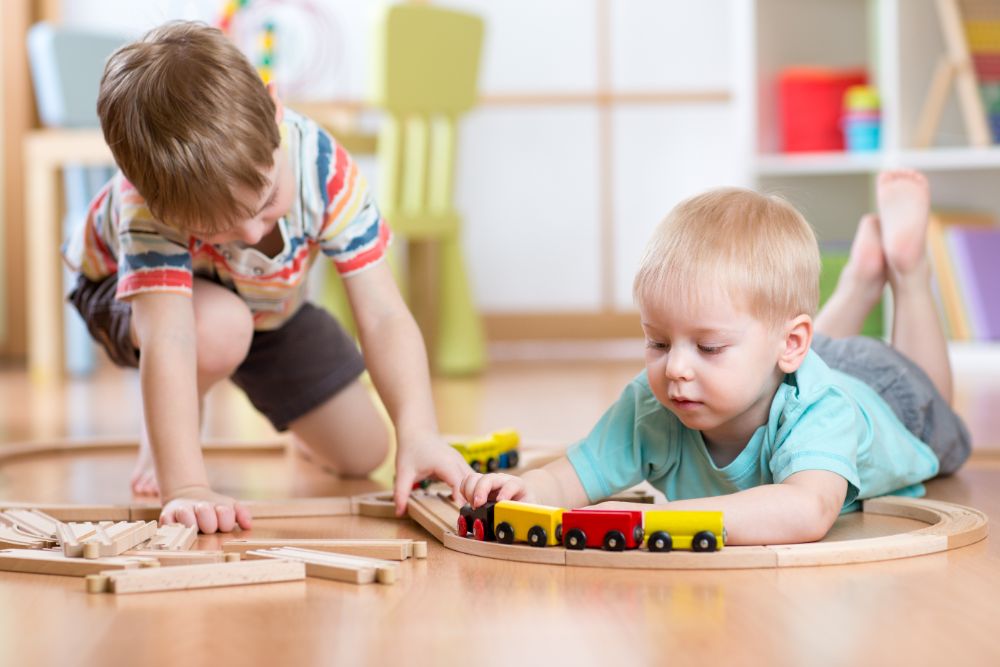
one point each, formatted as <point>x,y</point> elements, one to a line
<point>202,507</point>
<point>478,489</point>
<point>419,458</point>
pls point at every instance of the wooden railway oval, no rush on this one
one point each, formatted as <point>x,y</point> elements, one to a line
<point>946,526</point>
<point>943,526</point>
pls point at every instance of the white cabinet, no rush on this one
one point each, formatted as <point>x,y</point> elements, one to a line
<point>899,43</point>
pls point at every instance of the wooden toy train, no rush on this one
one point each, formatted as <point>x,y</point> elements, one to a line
<point>497,451</point>
<point>614,530</point>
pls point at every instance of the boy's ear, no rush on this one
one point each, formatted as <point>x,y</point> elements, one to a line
<point>279,108</point>
<point>798,333</point>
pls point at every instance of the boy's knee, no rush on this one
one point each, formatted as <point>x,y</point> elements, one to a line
<point>357,455</point>
<point>367,456</point>
<point>224,331</point>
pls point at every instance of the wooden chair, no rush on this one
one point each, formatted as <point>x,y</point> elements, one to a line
<point>427,64</point>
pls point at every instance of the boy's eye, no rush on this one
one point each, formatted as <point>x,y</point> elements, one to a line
<point>711,349</point>
<point>653,345</point>
<point>270,202</point>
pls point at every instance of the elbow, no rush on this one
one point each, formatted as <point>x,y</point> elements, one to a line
<point>819,516</point>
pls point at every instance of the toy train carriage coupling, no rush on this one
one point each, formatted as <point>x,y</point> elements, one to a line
<point>508,521</point>
<point>613,530</point>
<point>683,529</point>
<point>498,451</point>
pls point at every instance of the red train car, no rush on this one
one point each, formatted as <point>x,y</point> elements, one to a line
<point>613,530</point>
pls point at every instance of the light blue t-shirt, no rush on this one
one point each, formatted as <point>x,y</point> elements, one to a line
<point>820,419</point>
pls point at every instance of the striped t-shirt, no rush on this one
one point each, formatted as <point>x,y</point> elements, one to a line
<point>332,212</point>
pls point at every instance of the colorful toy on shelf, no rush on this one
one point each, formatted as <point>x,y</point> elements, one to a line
<point>811,103</point>
<point>674,529</point>
<point>508,521</point>
<point>497,451</point>
<point>862,119</point>
<point>608,529</point>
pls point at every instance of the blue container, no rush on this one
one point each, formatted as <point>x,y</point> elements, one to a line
<point>862,134</point>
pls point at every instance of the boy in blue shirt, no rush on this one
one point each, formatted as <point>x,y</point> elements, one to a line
<point>743,408</point>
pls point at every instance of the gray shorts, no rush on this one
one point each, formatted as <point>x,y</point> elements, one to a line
<point>287,372</point>
<point>906,388</point>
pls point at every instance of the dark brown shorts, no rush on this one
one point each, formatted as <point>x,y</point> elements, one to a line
<point>287,372</point>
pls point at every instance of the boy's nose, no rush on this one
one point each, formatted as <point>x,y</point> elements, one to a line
<point>677,367</point>
<point>251,235</point>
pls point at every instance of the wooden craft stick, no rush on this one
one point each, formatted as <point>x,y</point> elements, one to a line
<point>171,558</point>
<point>185,577</point>
<point>378,505</point>
<point>107,539</point>
<point>66,512</point>
<point>174,537</point>
<point>15,539</point>
<point>35,522</point>
<point>390,549</point>
<point>338,567</point>
<point>39,561</point>
<point>261,509</point>
<point>76,534</point>
<point>295,507</point>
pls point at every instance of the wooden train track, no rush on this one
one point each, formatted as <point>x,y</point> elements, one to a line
<point>946,525</point>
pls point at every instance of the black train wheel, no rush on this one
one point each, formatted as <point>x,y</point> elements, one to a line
<point>660,541</point>
<point>575,539</point>
<point>537,537</point>
<point>504,533</point>
<point>704,541</point>
<point>614,540</point>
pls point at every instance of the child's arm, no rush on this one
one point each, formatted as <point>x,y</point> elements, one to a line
<point>554,484</point>
<point>397,360</point>
<point>165,327</point>
<point>802,508</point>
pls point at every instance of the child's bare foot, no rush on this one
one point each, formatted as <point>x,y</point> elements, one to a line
<point>144,473</point>
<point>860,284</point>
<point>865,270</point>
<point>904,209</point>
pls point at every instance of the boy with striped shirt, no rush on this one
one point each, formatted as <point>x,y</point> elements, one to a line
<point>192,266</point>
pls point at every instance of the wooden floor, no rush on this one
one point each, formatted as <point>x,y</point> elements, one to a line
<point>451,607</point>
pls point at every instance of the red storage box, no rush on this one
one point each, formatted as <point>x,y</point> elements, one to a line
<point>811,102</point>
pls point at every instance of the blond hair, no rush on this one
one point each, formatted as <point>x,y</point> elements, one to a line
<point>189,122</point>
<point>755,248</point>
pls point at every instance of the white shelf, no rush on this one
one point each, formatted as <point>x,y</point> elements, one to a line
<point>951,159</point>
<point>933,159</point>
<point>812,164</point>
<point>971,359</point>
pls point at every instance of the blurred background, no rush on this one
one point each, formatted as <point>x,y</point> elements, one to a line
<point>583,123</point>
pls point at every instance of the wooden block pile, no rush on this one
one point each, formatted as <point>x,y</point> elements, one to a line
<point>126,556</point>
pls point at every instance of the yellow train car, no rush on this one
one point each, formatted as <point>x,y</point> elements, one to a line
<point>497,451</point>
<point>538,525</point>
<point>683,529</point>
